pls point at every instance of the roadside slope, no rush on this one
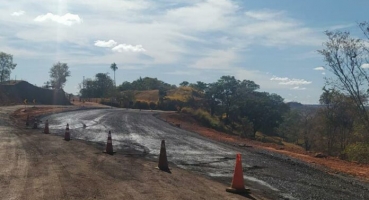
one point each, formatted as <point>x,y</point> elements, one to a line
<point>332,165</point>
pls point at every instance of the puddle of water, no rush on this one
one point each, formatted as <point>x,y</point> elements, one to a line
<point>260,182</point>
<point>253,179</point>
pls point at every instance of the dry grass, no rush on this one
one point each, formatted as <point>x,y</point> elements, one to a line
<point>181,93</point>
<point>147,95</point>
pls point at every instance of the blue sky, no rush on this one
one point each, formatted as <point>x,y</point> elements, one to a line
<point>271,42</point>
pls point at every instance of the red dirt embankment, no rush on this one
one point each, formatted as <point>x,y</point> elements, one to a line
<point>334,165</point>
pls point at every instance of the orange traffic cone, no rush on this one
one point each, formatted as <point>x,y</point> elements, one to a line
<point>46,129</point>
<point>27,122</point>
<point>67,134</point>
<point>109,145</point>
<point>238,185</point>
<point>163,162</point>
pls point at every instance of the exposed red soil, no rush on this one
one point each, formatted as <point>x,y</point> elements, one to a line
<point>333,164</point>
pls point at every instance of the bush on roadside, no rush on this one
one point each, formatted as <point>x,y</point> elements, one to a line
<point>358,152</point>
<point>203,117</point>
<point>152,105</point>
<point>141,105</point>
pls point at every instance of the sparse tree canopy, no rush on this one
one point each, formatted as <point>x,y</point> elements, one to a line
<point>6,66</point>
<point>345,57</point>
<point>58,75</point>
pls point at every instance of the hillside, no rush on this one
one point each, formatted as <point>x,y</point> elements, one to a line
<point>180,94</point>
<point>147,95</point>
<point>15,92</point>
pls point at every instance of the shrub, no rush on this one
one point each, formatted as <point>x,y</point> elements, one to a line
<point>141,105</point>
<point>152,105</point>
<point>358,152</point>
<point>203,117</point>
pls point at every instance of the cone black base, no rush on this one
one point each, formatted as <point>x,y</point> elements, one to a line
<point>110,153</point>
<point>238,191</point>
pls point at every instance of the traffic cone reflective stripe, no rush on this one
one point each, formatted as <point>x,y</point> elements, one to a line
<point>238,185</point>
<point>67,134</point>
<point>109,145</point>
<point>163,162</point>
<point>46,129</point>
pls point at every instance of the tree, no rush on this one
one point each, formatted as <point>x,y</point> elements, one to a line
<point>199,85</point>
<point>101,86</point>
<point>338,119</point>
<point>58,75</point>
<point>344,57</point>
<point>264,110</point>
<point>184,83</point>
<point>47,85</point>
<point>211,92</point>
<point>6,66</point>
<point>114,68</point>
<point>104,84</point>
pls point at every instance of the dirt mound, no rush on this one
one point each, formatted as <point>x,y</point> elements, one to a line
<point>16,92</point>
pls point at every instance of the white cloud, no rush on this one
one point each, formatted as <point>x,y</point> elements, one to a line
<point>319,68</point>
<point>276,28</point>
<point>274,78</point>
<point>195,17</point>
<point>298,88</point>
<point>217,59</point>
<point>67,19</point>
<point>264,14</point>
<point>18,13</point>
<point>101,43</point>
<point>365,66</point>
<point>289,81</point>
<point>127,47</point>
<point>323,73</point>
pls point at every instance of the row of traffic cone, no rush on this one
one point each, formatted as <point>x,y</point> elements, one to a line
<point>237,185</point>
<point>66,134</point>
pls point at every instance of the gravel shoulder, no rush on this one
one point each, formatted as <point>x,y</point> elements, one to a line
<point>38,166</point>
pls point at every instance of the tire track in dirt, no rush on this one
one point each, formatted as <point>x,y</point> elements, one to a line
<point>13,162</point>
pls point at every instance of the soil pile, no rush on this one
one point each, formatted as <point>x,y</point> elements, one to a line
<point>15,92</point>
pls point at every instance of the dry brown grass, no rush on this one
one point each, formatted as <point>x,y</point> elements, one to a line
<point>147,95</point>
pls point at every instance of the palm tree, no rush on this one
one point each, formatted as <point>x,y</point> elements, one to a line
<point>114,68</point>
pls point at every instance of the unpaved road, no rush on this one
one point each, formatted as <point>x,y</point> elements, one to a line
<point>139,133</point>
<point>34,165</point>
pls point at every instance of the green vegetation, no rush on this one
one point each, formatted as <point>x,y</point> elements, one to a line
<point>6,66</point>
<point>58,75</point>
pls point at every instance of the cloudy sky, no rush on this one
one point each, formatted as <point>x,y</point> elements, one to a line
<point>271,42</point>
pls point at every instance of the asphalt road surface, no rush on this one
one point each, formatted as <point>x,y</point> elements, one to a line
<point>139,132</point>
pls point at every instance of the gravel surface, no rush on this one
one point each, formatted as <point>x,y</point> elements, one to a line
<point>272,174</point>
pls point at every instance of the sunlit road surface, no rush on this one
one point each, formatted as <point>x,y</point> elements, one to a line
<point>139,132</point>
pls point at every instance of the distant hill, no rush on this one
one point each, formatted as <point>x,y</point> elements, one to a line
<point>15,92</point>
